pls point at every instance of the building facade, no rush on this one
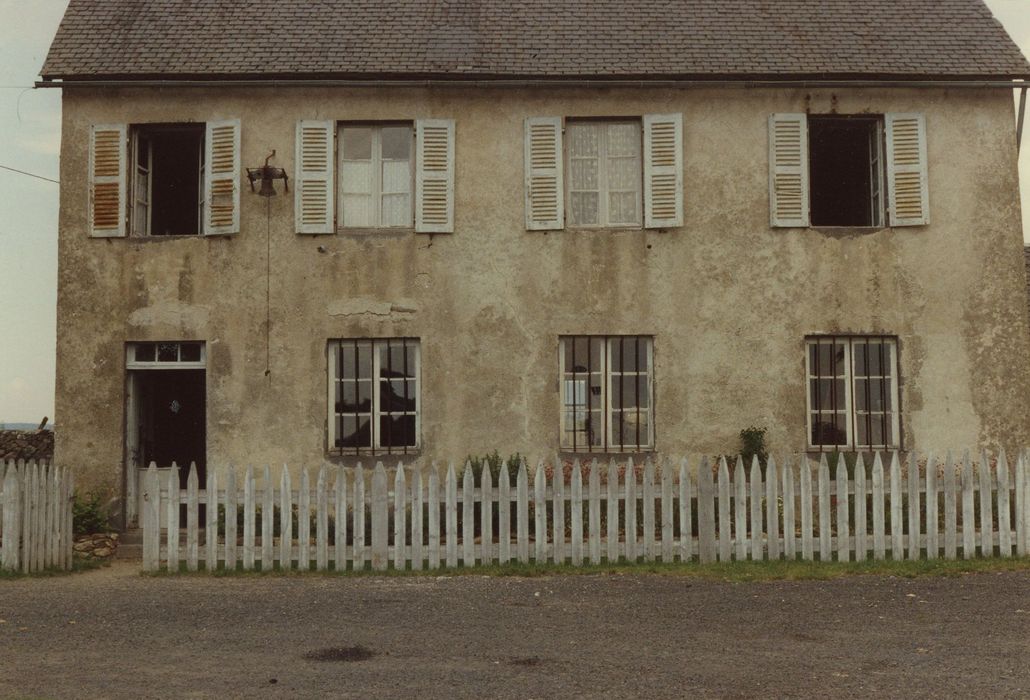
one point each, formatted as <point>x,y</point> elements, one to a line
<point>545,264</point>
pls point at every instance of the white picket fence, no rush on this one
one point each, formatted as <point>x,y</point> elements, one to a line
<point>604,513</point>
<point>35,516</point>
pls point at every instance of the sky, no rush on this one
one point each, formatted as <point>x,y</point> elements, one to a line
<point>30,136</point>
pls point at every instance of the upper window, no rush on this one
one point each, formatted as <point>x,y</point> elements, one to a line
<point>166,355</point>
<point>852,392</point>
<point>613,173</point>
<point>858,171</point>
<point>371,176</point>
<point>376,177</point>
<point>374,400</point>
<point>603,174</point>
<point>607,393</point>
<point>164,179</point>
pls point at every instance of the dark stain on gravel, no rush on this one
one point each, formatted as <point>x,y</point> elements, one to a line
<point>527,661</point>
<point>357,653</point>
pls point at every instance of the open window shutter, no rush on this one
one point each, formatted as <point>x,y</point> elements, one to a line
<point>906,170</point>
<point>107,180</point>
<point>788,170</point>
<point>313,194</point>
<point>222,189</point>
<point>434,176</point>
<point>663,170</point>
<point>545,189</point>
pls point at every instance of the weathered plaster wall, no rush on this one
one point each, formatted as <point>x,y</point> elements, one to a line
<point>728,299</point>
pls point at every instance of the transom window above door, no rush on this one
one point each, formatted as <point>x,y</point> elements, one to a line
<point>165,354</point>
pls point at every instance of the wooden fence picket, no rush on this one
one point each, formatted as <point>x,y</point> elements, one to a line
<point>434,518</point>
<point>172,556</point>
<point>321,521</point>
<point>757,546</point>
<point>417,502</point>
<point>11,541</point>
<point>968,520</point>
<point>647,491</point>
<point>595,512</point>
<point>468,518</point>
<point>451,516</point>
<point>340,501</point>
<point>504,514</point>
<point>740,510</point>
<point>192,519</point>
<point>576,515</point>
<point>151,519</point>
<point>486,516</point>
<point>897,517</point>
<point>825,512</point>
<point>522,513</point>
<point>230,518</point>
<point>930,504</point>
<point>27,528</point>
<point>725,537</point>
<point>285,520</point>
<point>861,503</point>
<point>358,535</point>
<point>612,505</point>
<point>380,519</point>
<point>807,545</point>
<point>558,512</point>
<point>1004,521</point>
<point>540,514</point>
<point>667,516</point>
<point>789,522</point>
<point>914,547</point>
<point>986,510</point>
<point>1022,510</point>
<point>630,510</point>
<point>772,508</point>
<point>706,513</point>
<point>249,518</point>
<point>303,522</point>
<point>879,529</point>
<point>400,519</point>
<point>211,522</point>
<point>843,515</point>
<point>267,520</point>
<point>686,546</point>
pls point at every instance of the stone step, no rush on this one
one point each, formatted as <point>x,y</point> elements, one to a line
<point>129,551</point>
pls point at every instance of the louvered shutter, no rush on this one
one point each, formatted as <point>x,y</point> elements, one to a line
<point>663,170</point>
<point>314,190</point>
<point>107,180</point>
<point>545,189</point>
<point>788,170</point>
<point>434,176</point>
<point>222,187</point>
<point>906,170</point>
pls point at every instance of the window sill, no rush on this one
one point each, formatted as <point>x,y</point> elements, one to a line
<point>369,459</point>
<point>606,230</point>
<point>641,454</point>
<point>375,232</point>
<point>848,231</point>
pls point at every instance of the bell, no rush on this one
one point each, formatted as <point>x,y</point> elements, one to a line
<point>267,188</point>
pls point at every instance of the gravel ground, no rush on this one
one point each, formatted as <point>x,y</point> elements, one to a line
<point>113,633</point>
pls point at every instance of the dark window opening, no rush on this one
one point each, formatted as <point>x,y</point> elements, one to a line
<point>167,180</point>
<point>845,171</point>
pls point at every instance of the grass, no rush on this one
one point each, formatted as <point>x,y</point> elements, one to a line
<point>78,566</point>
<point>733,572</point>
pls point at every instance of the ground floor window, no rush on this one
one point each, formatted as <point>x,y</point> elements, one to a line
<point>607,393</point>
<point>374,402</point>
<point>852,391</point>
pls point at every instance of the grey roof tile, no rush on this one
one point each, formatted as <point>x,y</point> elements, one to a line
<point>532,38</point>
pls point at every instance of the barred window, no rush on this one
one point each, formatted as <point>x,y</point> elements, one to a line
<point>607,393</point>
<point>853,392</point>
<point>374,395</point>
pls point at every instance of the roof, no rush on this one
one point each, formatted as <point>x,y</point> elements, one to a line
<point>26,444</point>
<point>533,39</point>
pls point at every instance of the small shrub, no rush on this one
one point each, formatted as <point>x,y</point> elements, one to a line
<point>89,514</point>
<point>493,462</point>
<point>752,444</point>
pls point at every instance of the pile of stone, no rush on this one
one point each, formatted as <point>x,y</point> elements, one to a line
<point>26,444</point>
<point>99,546</point>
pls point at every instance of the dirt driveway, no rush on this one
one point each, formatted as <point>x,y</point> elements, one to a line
<point>113,633</point>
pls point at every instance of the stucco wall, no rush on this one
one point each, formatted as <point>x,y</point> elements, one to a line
<point>728,299</point>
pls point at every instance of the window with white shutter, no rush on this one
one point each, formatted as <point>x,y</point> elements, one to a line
<point>544,189</point>
<point>222,181</point>
<point>788,170</point>
<point>906,170</point>
<point>313,190</point>
<point>663,170</point>
<point>434,176</point>
<point>107,180</point>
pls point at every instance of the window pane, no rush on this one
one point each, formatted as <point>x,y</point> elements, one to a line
<point>584,140</point>
<point>356,397</point>
<point>357,143</point>
<point>396,142</point>
<point>144,352</point>
<point>633,425</point>
<point>827,359</point>
<point>189,352</point>
<point>827,394</point>
<point>397,431</point>
<point>354,431</point>
<point>583,174</point>
<point>584,208</point>
<point>623,208</point>
<point>167,352</point>
<point>392,395</point>
<point>359,368</point>
<point>623,139</point>
<point>829,429</point>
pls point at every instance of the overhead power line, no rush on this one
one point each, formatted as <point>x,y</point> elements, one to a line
<point>38,177</point>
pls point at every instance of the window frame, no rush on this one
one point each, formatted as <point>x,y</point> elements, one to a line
<point>376,161</point>
<point>604,194</point>
<point>132,363</point>
<point>144,132</point>
<point>333,347</point>
<point>606,385</point>
<point>851,412</point>
<point>878,195</point>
